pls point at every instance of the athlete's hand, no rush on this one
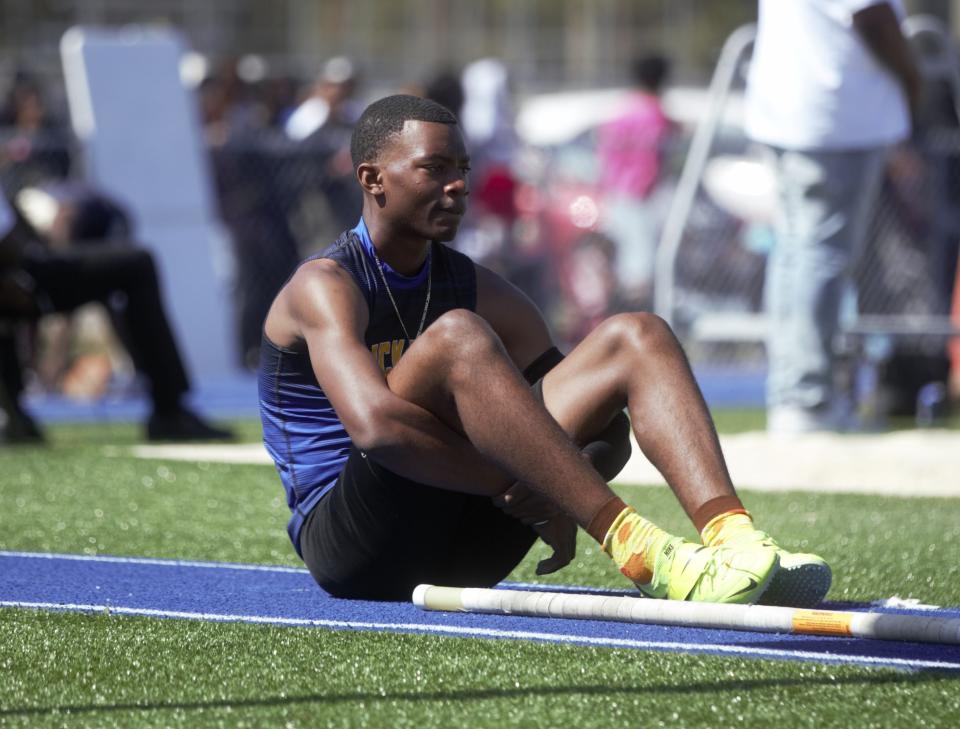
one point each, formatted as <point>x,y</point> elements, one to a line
<point>560,533</point>
<point>525,505</point>
<point>554,527</point>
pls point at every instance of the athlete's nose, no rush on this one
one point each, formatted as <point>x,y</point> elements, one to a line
<point>457,187</point>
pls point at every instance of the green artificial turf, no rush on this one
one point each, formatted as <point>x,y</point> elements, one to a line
<point>87,495</point>
<point>84,670</point>
<point>84,493</point>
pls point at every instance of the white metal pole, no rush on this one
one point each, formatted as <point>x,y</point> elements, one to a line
<point>754,618</point>
<point>723,77</point>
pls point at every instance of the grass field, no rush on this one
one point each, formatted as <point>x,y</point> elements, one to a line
<point>83,494</point>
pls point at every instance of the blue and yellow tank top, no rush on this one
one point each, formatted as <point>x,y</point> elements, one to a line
<point>301,430</point>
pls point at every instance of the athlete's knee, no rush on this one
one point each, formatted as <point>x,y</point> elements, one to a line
<point>461,333</point>
<point>637,331</point>
<point>460,345</point>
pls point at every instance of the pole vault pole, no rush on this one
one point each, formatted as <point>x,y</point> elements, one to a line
<point>754,618</point>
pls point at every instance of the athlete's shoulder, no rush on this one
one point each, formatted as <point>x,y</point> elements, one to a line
<point>349,254</point>
<point>321,290</point>
<point>319,279</point>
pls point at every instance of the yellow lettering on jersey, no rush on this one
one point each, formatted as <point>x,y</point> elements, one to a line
<point>396,351</point>
<point>383,349</point>
<point>393,348</point>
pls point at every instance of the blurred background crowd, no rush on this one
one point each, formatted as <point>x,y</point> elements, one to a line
<point>579,117</point>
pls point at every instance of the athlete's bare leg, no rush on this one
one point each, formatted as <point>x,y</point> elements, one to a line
<point>634,361</point>
<point>459,371</point>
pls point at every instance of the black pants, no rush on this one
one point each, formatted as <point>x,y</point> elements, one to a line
<point>125,280</point>
<point>378,535</point>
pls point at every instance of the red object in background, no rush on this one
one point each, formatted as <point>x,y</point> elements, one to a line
<point>496,193</point>
<point>567,214</point>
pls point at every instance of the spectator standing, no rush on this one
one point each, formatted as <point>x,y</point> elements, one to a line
<point>229,107</point>
<point>631,150</point>
<point>323,123</point>
<point>486,117</point>
<point>330,105</point>
<point>831,88</point>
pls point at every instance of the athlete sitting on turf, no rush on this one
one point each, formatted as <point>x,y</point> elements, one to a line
<point>443,465</point>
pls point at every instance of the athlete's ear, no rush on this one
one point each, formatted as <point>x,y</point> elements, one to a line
<point>368,175</point>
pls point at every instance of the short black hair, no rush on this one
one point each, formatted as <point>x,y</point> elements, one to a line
<point>384,119</point>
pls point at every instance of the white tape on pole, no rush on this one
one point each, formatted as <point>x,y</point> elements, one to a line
<point>757,618</point>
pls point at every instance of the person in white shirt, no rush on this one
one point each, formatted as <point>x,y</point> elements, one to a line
<point>832,86</point>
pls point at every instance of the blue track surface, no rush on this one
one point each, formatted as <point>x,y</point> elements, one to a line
<point>288,596</point>
<point>234,395</point>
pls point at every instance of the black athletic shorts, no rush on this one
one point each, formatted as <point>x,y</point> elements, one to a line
<point>377,535</point>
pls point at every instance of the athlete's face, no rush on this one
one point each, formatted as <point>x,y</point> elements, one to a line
<point>424,180</point>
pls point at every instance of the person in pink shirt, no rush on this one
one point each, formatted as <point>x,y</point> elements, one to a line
<point>630,150</point>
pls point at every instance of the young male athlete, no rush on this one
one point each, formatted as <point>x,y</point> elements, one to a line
<point>396,400</point>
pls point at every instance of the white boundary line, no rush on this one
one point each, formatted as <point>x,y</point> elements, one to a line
<point>491,633</point>
<point>156,562</point>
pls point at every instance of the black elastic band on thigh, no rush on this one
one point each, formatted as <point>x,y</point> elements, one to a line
<point>542,365</point>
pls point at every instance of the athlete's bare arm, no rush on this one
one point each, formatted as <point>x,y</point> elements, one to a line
<point>525,335</point>
<point>513,316</point>
<point>322,307</point>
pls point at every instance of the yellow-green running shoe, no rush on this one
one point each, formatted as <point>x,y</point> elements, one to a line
<point>803,580</point>
<point>688,571</point>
